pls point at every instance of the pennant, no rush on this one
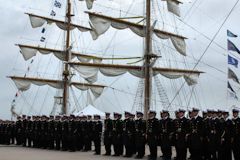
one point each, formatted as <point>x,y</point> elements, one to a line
<point>232,47</point>
<point>57,4</point>
<point>230,34</point>
<point>232,75</point>
<point>232,61</point>
<point>230,87</point>
<point>53,13</point>
<point>42,39</point>
<point>43,30</point>
<point>32,60</point>
<point>232,95</point>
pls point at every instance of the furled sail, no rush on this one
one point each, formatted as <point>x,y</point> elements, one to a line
<point>38,21</point>
<point>173,6</point>
<point>101,23</point>
<point>90,71</point>
<point>30,51</point>
<point>89,3</point>
<point>24,83</point>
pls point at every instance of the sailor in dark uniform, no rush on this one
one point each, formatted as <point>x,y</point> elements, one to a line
<point>128,131</point>
<point>64,133</point>
<point>165,135</point>
<point>196,135</point>
<point>18,130</point>
<point>152,134</point>
<point>72,132</point>
<point>117,135</point>
<point>57,132</point>
<point>181,128</point>
<point>225,137</point>
<point>88,136</point>
<point>97,134</point>
<point>236,134</point>
<point>108,129</point>
<point>140,135</point>
<point>79,134</point>
<point>24,130</point>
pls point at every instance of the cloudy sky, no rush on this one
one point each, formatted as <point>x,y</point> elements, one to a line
<point>200,22</point>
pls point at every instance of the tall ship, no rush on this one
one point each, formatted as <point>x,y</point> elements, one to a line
<point>115,55</point>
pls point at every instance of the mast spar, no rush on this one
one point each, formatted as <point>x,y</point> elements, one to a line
<point>66,71</point>
<point>148,78</point>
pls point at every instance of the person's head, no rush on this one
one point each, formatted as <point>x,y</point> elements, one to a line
<point>181,113</point>
<point>235,113</point>
<point>195,112</point>
<point>225,114</point>
<point>126,115</point>
<point>107,115</point>
<point>139,115</point>
<point>164,114</point>
<point>151,114</point>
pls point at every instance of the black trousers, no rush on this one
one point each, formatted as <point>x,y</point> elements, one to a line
<point>181,153</point>
<point>140,145</point>
<point>108,144</point>
<point>167,152</point>
<point>97,145</point>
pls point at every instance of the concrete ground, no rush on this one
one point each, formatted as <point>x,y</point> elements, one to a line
<point>24,153</point>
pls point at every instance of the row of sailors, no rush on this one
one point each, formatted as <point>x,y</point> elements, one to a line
<point>211,137</point>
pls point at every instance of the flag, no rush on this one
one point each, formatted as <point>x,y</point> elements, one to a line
<point>42,39</point>
<point>57,4</point>
<point>232,75</point>
<point>43,30</point>
<point>233,95</point>
<point>232,61</point>
<point>230,87</point>
<point>230,34</point>
<point>53,13</point>
<point>32,60</point>
<point>232,47</point>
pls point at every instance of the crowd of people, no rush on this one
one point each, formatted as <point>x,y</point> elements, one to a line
<point>212,136</point>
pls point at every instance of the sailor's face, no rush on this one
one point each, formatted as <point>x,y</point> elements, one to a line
<point>235,114</point>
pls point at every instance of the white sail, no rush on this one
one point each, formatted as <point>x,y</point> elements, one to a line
<point>24,83</point>
<point>90,71</point>
<point>30,51</point>
<point>101,23</point>
<point>173,6</point>
<point>39,21</point>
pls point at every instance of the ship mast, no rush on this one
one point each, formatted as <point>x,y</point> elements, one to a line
<point>66,71</point>
<point>148,77</point>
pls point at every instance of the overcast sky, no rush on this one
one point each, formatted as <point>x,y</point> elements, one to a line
<point>199,17</point>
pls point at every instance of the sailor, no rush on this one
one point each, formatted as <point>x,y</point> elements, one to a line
<point>13,132</point>
<point>72,131</point>
<point>236,134</point>
<point>84,131</point>
<point>196,135</point>
<point>24,130</point>
<point>152,134</point>
<point>18,130</point>
<point>140,134</point>
<point>57,132</point>
<point>165,135</point>
<point>79,135</point>
<point>207,115</point>
<point>181,128</point>
<point>64,133</point>
<point>117,135</point>
<point>29,131</point>
<point>225,137</point>
<point>88,136</point>
<point>97,133</point>
<point>50,133</point>
<point>128,131</point>
<point>108,129</point>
